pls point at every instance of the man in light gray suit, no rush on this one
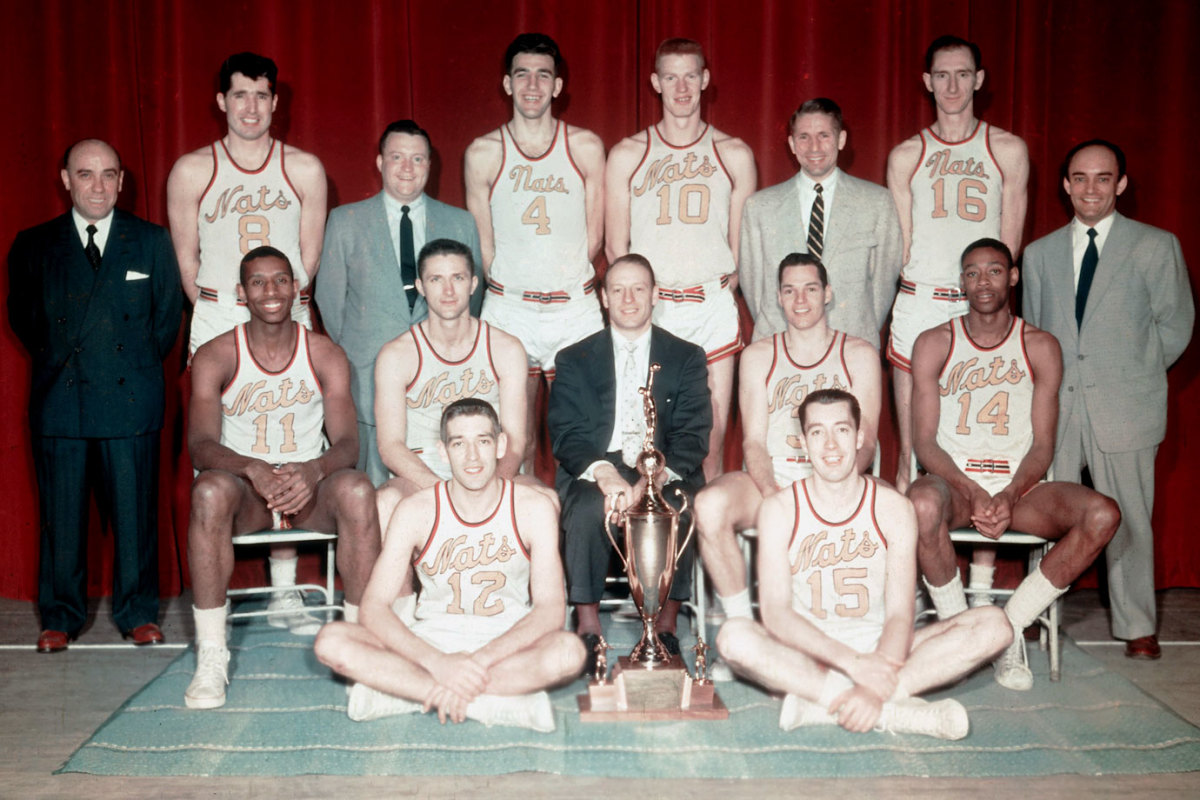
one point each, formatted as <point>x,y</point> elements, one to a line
<point>367,287</point>
<point>1115,293</point>
<point>855,231</point>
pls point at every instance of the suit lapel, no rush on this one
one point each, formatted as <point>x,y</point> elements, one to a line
<point>72,276</point>
<point>1060,275</point>
<point>110,276</point>
<point>845,200</point>
<point>1116,252</point>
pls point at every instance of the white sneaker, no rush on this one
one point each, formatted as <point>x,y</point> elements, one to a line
<point>797,712</point>
<point>945,719</point>
<point>364,703</point>
<point>720,672</point>
<point>207,689</point>
<point>299,621</point>
<point>533,711</point>
<point>1012,667</point>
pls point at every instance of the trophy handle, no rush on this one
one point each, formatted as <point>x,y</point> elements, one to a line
<point>691,527</point>
<point>611,538</point>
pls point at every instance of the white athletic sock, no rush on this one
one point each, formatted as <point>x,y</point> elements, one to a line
<point>948,599</point>
<point>981,580</point>
<point>1031,598</point>
<point>283,571</point>
<point>835,683</point>
<point>210,624</point>
<point>349,612</point>
<point>737,605</point>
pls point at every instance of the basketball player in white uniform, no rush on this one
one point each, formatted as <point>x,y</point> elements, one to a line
<point>954,182</point>
<point>837,566</point>
<point>535,186</point>
<point>273,434</point>
<point>674,194</point>
<point>447,357</point>
<point>246,190</point>
<point>776,374</point>
<point>985,407</point>
<point>484,637</point>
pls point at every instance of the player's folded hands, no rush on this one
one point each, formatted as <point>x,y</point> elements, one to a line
<point>461,674</point>
<point>874,671</point>
<point>450,706</point>
<point>857,709</point>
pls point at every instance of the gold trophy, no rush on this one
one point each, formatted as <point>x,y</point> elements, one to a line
<point>649,683</point>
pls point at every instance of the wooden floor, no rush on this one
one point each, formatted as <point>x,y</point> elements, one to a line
<point>50,704</point>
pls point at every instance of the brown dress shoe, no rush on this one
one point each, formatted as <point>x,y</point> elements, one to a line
<point>149,633</point>
<point>52,641</point>
<point>1143,647</point>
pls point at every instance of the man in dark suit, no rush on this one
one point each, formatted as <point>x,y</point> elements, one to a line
<point>597,427</point>
<point>94,296</point>
<point>1115,294</point>
<point>366,290</point>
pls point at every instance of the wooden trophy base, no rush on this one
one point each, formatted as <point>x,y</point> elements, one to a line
<point>636,694</point>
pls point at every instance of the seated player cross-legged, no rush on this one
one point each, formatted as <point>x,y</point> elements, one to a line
<point>836,576</point>
<point>273,435</point>
<point>776,374</point>
<point>484,636</point>
<point>985,407</point>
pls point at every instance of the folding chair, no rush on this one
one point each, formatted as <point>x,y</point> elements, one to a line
<point>290,536</point>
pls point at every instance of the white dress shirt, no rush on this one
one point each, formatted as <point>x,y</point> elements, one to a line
<point>1079,241</point>
<point>102,228</point>
<point>808,194</point>
<point>416,213</point>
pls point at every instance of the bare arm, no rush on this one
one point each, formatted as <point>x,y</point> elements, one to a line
<point>1013,158</point>
<point>185,185</point>
<point>481,168</point>
<point>753,400</point>
<point>308,177</point>
<point>1045,357</point>
<point>622,161</point>
<point>739,160</point>
<point>395,367</point>
<point>902,162</point>
<point>900,519</point>
<point>588,153</point>
<point>508,356</point>
<point>929,354</point>
<point>862,361</point>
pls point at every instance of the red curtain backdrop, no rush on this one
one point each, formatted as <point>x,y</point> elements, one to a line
<point>142,75</point>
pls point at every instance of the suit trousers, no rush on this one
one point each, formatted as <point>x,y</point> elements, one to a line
<point>1127,478</point>
<point>128,472</point>
<point>587,551</point>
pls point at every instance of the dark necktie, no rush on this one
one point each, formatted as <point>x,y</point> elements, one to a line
<point>1087,271</point>
<point>408,259</point>
<point>92,251</point>
<point>816,225</point>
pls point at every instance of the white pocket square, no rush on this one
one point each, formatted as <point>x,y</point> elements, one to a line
<point>134,275</point>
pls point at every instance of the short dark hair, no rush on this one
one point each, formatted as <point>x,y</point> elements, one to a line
<point>950,43</point>
<point>252,65</point>
<point>828,397</point>
<point>535,43</point>
<point>819,105</point>
<point>468,407</point>
<point>444,247</point>
<point>1117,152</point>
<point>679,47</point>
<point>405,126</point>
<point>981,244</point>
<point>803,260</point>
<point>265,251</point>
<point>66,158</point>
<point>632,258</point>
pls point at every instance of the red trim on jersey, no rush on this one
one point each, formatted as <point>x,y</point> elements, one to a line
<point>487,345</point>
<point>211,180</point>
<point>437,515</point>
<point>512,507</point>
<point>832,523</point>
<point>898,361</point>
<point>1025,353</point>
<point>571,158</point>
<point>237,358</point>
<point>720,161</point>
<point>725,351</point>
<point>283,169</point>
<point>242,169</point>
<point>286,367</point>
<point>774,358</point>
<point>438,356</point>
<point>1012,323</point>
<point>553,143</point>
<point>311,367</point>
<point>641,161</point>
<point>795,512</point>
<point>978,123</point>
<point>842,357</point>
<point>485,520</point>
<point>874,518</point>
<point>917,166</point>
<point>704,132</point>
<point>787,353</point>
<point>420,361</point>
<point>503,158</point>
<point>950,352</point>
<point>987,143</point>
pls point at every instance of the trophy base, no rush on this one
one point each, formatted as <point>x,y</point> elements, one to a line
<point>665,692</point>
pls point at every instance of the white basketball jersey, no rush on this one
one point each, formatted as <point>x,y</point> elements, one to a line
<point>986,417</point>
<point>839,569</point>
<point>956,194</point>
<point>243,209</point>
<point>278,417</point>
<point>437,384</point>
<point>679,211</point>
<point>476,572</point>
<point>539,218</point>
<point>788,383</point>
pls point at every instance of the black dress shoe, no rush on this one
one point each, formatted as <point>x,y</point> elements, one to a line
<point>590,641</point>
<point>670,642</point>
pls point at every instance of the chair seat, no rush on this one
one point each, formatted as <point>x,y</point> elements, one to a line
<point>291,536</point>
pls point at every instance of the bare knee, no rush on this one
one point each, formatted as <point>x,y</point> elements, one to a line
<point>330,645</point>
<point>734,640</point>
<point>353,491</point>
<point>931,505</point>
<point>1101,520</point>
<point>215,498</point>
<point>712,518</point>
<point>569,654</point>
<point>989,628</point>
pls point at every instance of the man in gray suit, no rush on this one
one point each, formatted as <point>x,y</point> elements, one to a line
<point>856,232</point>
<point>1115,293</point>
<point>367,287</point>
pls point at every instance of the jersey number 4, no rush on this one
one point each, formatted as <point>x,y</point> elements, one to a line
<point>971,207</point>
<point>844,589</point>
<point>994,413</point>
<point>491,581</point>
<point>536,215</point>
